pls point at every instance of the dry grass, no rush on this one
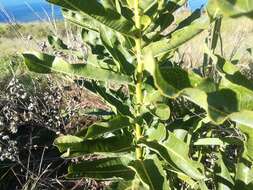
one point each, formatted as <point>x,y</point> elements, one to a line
<point>237,36</point>
<point>19,38</point>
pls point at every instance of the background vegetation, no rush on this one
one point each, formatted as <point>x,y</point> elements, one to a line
<point>34,108</point>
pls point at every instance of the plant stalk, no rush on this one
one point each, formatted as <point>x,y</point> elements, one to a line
<point>139,76</point>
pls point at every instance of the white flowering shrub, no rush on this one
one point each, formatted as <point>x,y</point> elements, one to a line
<point>32,111</point>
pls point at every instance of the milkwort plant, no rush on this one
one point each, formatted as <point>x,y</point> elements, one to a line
<point>153,140</point>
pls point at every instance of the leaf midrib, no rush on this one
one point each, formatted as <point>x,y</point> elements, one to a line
<point>107,171</point>
<point>146,173</point>
<point>54,63</point>
<point>177,155</point>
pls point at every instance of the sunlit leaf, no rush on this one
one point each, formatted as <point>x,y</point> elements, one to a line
<point>151,173</point>
<point>224,179</point>
<point>175,152</point>
<point>244,175</point>
<point>44,63</point>
<point>209,142</point>
<point>102,169</point>
<point>99,14</point>
<point>111,42</point>
<point>76,146</point>
<point>101,128</point>
<point>157,132</point>
<point>178,38</point>
<point>231,101</point>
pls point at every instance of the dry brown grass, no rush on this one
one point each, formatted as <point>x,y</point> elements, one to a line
<point>15,38</point>
<point>237,36</point>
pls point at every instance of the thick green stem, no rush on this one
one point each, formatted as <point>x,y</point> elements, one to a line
<point>139,95</point>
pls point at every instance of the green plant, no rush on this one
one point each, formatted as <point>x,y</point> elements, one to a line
<point>167,128</point>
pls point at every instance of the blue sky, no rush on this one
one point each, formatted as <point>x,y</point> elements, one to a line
<point>196,3</point>
<point>16,2</point>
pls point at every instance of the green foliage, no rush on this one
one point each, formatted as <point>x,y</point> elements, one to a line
<point>231,8</point>
<point>44,63</point>
<point>170,128</point>
<point>151,173</point>
<point>107,168</point>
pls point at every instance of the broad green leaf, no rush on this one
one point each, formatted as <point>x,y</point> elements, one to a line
<point>94,60</point>
<point>152,103</point>
<point>175,152</point>
<point>231,101</point>
<point>230,8</point>
<point>117,105</point>
<point>244,175</point>
<point>76,146</point>
<point>162,111</point>
<point>130,3</point>
<point>178,38</point>
<point>81,20</point>
<point>239,90</point>
<point>233,79</point>
<point>102,169</point>
<point>111,4</point>
<point>152,95</point>
<point>179,2</point>
<point>202,185</point>
<point>101,128</point>
<point>243,91</point>
<point>147,7</point>
<point>224,179</point>
<point>248,131</point>
<point>180,133</point>
<point>151,173</point>
<point>128,185</point>
<point>100,15</point>
<point>153,32</point>
<point>209,142</point>
<point>243,117</point>
<point>65,140</point>
<point>44,63</point>
<point>145,21</point>
<point>171,80</point>
<point>111,42</point>
<point>156,133</point>
<point>242,88</point>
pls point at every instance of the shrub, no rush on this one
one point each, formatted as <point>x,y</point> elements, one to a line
<point>32,111</point>
<point>168,128</point>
